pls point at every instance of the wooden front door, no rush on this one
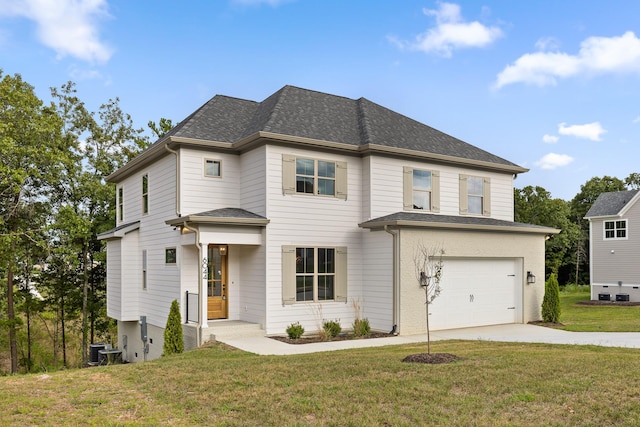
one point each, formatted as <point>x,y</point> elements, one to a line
<point>217,289</point>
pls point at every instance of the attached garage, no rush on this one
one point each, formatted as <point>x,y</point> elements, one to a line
<point>478,292</point>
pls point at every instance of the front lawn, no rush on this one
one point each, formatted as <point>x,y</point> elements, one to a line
<point>595,318</point>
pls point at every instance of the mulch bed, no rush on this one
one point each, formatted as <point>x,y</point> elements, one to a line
<point>342,337</point>
<point>431,358</point>
<point>596,302</point>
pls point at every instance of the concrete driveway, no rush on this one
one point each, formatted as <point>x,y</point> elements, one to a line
<point>502,333</point>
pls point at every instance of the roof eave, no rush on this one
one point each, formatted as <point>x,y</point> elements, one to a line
<point>200,219</point>
<point>477,227</point>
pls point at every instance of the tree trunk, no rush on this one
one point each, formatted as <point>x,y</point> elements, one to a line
<point>64,337</point>
<point>11,315</point>
<point>426,293</point>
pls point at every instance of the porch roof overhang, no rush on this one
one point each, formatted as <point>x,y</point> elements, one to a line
<point>224,216</point>
<point>120,231</point>
<point>424,220</point>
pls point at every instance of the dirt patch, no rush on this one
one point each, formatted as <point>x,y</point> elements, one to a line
<point>431,358</point>
<point>546,324</point>
<point>342,337</point>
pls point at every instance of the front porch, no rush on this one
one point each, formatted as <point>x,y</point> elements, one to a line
<point>220,330</point>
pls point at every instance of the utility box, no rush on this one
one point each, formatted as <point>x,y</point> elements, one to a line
<point>94,355</point>
<point>604,297</point>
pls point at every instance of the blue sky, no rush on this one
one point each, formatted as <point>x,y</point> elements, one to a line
<point>553,86</point>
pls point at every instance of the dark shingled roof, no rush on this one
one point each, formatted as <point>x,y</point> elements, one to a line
<point>118,228</point>
<point>611,203</point>
<point>229,213</point>
<point>305,113</point>
<point>453,221</point>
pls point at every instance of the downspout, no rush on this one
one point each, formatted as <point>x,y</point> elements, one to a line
<point>396,277</point>
<point>200,287</point>
<point>166,147</point>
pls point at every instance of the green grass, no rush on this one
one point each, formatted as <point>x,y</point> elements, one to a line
<point>501,384</point>
<point>595,318</point>
<point>495,384</point>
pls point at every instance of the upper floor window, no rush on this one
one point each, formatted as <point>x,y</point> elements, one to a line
<point>421,189</point>
<point>145,194</point>
<point>120,204</point>
<point>212,168</point>
<point>314,274</point>
<point>302,175</point>
<point>615,229</point>
<point>475,195</point>
<point>170,256</point>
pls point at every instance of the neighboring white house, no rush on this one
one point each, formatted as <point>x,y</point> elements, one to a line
<point>289,209</point>
<point>614,246</point>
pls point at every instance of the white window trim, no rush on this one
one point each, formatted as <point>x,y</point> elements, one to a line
<point>145,196</point>
<point>204,172</point>
<point>145,276</point>
<point>615,229</point>
<point>120,202</point>
<point>171,264</point>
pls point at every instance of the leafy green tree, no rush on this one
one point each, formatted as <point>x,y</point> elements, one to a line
<point>173,342</point>
<point>632,182</point>
<point>161,128</point>
<point>33,153</point>
<point>551,300</point>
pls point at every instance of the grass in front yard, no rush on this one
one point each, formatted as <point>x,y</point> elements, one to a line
<point>595,318</point>
<point>494,384</point>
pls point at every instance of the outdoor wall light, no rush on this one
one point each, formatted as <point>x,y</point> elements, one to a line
<point>531,278</point>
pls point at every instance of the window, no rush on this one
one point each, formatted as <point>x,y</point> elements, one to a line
<point>615,229</point>
<point>144,269</point>
<point>120,204</point>
<point>314,274</point>
<point>421,189</point>
<point>145,194</point>
<point>301,175</point>
<point>475,195</point>
<point>170,256</point>
<point>212,168</point>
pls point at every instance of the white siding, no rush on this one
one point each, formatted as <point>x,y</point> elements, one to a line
<point>114,279</point>
<point>131,276</point>
<point>200,193</point>
<point>253,181</point>
<point>314,221</point>
<point>252,284</point>
<point>386,187</point>
<point>377,279</point>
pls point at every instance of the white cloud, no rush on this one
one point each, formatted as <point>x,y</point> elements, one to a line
<point>597,55</point>
<point>67,26</point>
<point>450,33</point>
<point>550,139</point>
<point>591,131</point>
<point>553,161</point>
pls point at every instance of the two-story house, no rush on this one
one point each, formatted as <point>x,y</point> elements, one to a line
<point>614,249</point>
<point>290,209</point>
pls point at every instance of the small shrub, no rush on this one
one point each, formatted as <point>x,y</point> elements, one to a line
<point>295,331</point>
<point>361,327</point>
<point>332,328</point>
<point>173,342</point>
<point>551,300</point>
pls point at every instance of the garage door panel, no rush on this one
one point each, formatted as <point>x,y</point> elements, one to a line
<point>475,293</point>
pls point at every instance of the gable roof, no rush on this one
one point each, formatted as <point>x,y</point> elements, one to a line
<point>302,116</point>
<point>611,203</point>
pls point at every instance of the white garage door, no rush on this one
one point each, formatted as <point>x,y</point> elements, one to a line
<point>477,292</point>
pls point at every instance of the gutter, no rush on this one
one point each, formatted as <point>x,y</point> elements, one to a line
<point>396,277</point>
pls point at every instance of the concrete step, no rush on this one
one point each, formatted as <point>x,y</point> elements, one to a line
<point>226,329</point>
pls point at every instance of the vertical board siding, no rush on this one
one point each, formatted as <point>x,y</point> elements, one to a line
<point>387,183</point>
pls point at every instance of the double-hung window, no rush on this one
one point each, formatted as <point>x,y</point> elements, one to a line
<point>317,177</point>
<point>615,229</point>
<point>145,194</point>
<point>314,274</point>
<point>120,204</point>
<point>212,168</point>
<point>475,195</point>
<point>421,188</point>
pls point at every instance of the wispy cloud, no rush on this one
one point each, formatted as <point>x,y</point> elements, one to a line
<point>554,161</point>
<point>451,32</point>
<point>70,27</point>
<point>597,55</point>
<point>591,131</point>
<point>550,139</point>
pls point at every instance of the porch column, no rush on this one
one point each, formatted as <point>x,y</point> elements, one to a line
<point>203,292</point>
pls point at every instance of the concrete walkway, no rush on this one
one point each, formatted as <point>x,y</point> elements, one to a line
<point>501,333</point>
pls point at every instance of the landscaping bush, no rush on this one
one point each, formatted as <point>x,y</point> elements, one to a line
<point>295,330</point>
<point>551,300</point>
<point>173,342</point>
<point>332,328</point>
<point>361,327</point>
